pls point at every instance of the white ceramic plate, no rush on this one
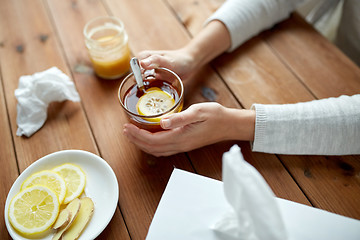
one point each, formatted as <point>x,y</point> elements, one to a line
<point>101,186</point>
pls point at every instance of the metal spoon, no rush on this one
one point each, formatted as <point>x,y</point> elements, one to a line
<point>135,66</point>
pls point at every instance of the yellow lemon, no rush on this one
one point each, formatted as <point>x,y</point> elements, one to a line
<point>153,102</point>
<point>48,179</point>
<point>33,210</point>
<point>75,180</point>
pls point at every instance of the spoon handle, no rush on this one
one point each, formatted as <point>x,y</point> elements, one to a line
<point>135,66</point>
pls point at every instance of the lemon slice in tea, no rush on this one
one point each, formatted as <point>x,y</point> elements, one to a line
<point>33,210</point>
<point>154,101</point>
<point>48,179</point>
<point>75,180</point>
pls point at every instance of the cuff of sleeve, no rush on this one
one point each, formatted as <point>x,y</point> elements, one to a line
<point>260,127</point>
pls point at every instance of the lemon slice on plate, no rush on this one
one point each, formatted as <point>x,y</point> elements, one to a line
<point>33,210</point>
<point>74,178</point>
<point>154,101</point>
<point>48,179</point>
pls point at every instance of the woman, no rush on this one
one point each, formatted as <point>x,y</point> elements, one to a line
<point>327,127</point>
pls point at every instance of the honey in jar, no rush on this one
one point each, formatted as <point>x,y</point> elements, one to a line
<point>107,43</point>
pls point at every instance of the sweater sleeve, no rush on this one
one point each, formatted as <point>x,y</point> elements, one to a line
<point>246,18</point>
<point>323,127</point>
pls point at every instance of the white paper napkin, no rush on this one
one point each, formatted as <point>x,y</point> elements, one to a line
<point>255,215</point>
<point>34,94</point>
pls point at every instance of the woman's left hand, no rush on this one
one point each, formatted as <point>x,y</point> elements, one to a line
<point>200,125</point>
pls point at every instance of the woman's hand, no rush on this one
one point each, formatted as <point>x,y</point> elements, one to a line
<point>200,125</point>
<point>211,41</point>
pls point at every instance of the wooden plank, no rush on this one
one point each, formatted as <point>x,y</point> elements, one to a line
<point>244,72</point>
<point>273,171</point>
<point>332,183</point>
<point>136,172</point>
<point>8,171</point>
<point>249,62</point>
<point>256,75</point>
<point>206,160</point>
<point>325,70</point>
<point>253,71</point>
<point>152,24</point>
<point>225,99</point>
<point>30,45</point>
<point>142,178</point>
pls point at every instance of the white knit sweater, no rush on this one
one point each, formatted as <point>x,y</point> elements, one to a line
<point>327,127</point>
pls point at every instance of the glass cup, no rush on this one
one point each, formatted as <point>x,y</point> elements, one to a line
<point>107,44</point>
<point>129,95</point>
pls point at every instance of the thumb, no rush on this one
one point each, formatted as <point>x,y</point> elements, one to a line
<point>180,119</point>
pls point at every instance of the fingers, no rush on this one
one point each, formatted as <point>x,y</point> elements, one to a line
<point>144,54</point>
<point>148,53</point>
<point>156,144</point>
<point>151,59</point>
<point>156,60</point>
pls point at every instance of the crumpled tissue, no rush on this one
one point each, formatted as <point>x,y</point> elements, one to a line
<point>36,92</point>
<point>255,215</point>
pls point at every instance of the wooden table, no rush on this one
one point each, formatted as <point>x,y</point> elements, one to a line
<point>289,63</point>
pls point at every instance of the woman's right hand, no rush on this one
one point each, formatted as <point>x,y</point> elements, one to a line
<point>211,41</point>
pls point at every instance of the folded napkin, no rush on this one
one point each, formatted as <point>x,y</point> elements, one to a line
<point>34,94</point>
<point>255,215</point>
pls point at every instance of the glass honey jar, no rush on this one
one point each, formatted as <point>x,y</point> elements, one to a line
<point>107,44</point>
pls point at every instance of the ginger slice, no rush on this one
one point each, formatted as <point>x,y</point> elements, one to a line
<point>62,219</point>
<point>74,208</point>
<point>85,213</point>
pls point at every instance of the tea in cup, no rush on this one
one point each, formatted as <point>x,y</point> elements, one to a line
<point>162,94</point>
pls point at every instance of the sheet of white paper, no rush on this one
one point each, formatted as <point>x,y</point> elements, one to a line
<point>192,203</point>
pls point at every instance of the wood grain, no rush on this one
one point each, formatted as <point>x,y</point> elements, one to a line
<point>213,82</point>
<point>318,63</point>
<point>329,74</point>
<point>331,183</point>
<point>31,45</point>
<point>66,126</point>
<point>142,178</point>
<point>245,72</point>
<point>9,170</point>
<point>275,67</point>
<point>286,64</point>
<point>128,163</point>
<point>207,160</point>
